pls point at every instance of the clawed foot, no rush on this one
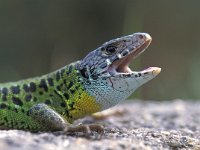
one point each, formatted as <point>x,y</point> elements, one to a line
<point>83,130</point>
<point>86,129</point>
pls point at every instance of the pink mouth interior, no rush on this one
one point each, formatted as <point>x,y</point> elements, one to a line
<point>121,65</point>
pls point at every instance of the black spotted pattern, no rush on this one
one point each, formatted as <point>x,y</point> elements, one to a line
<point>9,107</point>
<point>64,81</point>
<point>84,73</point>
<point>15,89</point>
<point>17,101</point>
<point>58,88</point>
<point>4,94</point>
<point>70,85</point>
<point>29,88</point>
<point>43,85</point>
<point>62,72</point>
<point>3,106</point>
<point>57,75</point>
<point>67,113</point>
<point>128,75</point>
<point>50,81</point>
<point>72,91</point>
<point>5,91</point>
<point>48,102</point>
<point>28,97</point>
<point>58,94</point>
<point>72,105</point>
<point>69,70</point>
<point>26,88</point>
<point>32,87</point>
<point>63,104</point>
<point>66,95</point>
<point>4,97</point>
<point>22,110</point>
<point>35,99</point>
<point>15,110</point>
<point>5,118</point>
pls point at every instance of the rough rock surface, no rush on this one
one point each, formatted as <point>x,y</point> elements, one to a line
<point>135,125</point>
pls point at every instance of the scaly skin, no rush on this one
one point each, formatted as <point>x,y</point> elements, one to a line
<point>99,81</point>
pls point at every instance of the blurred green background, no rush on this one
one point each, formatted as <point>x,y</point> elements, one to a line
<point>39,36</point>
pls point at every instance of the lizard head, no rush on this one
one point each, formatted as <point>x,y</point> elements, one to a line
<point>112,59</point>
<point>110,63</point>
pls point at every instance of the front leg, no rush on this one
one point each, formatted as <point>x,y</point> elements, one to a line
<point>55,122</point>
<point>48,117</point>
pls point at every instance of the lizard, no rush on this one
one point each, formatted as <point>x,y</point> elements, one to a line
<point>99,81</point>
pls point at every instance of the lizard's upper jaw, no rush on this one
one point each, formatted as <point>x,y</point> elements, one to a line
<point>120,66</point>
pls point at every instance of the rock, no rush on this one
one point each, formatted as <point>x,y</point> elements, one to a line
<point>134,125</point>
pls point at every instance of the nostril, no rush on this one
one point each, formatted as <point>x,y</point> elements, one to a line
<point>141,36</point>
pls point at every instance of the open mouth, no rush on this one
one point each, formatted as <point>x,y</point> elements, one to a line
<point>121,66</point>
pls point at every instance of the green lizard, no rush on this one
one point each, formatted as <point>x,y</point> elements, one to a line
<point>99,81</point>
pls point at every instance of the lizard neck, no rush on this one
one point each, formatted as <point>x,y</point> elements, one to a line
<point>70,87</point>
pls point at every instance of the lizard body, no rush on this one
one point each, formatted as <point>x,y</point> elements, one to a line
<point>99,81</point>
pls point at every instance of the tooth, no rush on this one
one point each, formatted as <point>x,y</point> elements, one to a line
<point>125,52</point>
<point>133,48</point>
<point>108,61</point>
<point>119,56</point>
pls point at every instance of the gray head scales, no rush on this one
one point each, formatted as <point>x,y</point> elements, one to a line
<point>108,66</point>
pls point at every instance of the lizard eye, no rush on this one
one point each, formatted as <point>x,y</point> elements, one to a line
<point>110,49</point>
